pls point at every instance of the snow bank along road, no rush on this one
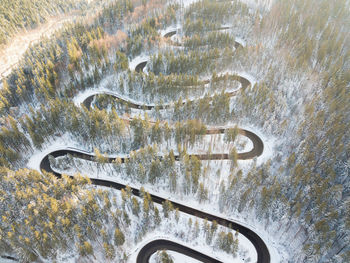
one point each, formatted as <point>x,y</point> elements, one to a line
<point>153,246</point>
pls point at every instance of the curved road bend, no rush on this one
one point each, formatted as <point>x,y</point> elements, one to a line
<point>258,148</point>
<point>139,67</point>
<point>172,33</point>
<point>162,244</point>
<point>10,258</point>
<point>87,102</point>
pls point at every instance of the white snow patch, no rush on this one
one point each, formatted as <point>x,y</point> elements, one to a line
<point>186,3</point>
<point>5,260</point>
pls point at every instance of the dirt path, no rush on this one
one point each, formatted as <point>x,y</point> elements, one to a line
<point>11,54</point>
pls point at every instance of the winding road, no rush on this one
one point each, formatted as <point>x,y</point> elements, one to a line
<point>174,32</point>
<point>258,148</point>
<point>139,67</point>
<point>150,248</point>
<point>146,252</point>
<point>87,102</point>
<point>263,255</point>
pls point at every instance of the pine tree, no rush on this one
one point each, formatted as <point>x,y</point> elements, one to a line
<point>233,157</point>
<point>164,257</point>
<point>203,193</point>
<point>119,237</point>
<point>86,249</point>
<point>167,208</point>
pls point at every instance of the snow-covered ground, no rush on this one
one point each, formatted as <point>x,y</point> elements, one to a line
<point>186,3</point>
<point>216,144</point>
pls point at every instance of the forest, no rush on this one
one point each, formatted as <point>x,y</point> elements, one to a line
<point>280,71</point>
<point>13,17</point>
